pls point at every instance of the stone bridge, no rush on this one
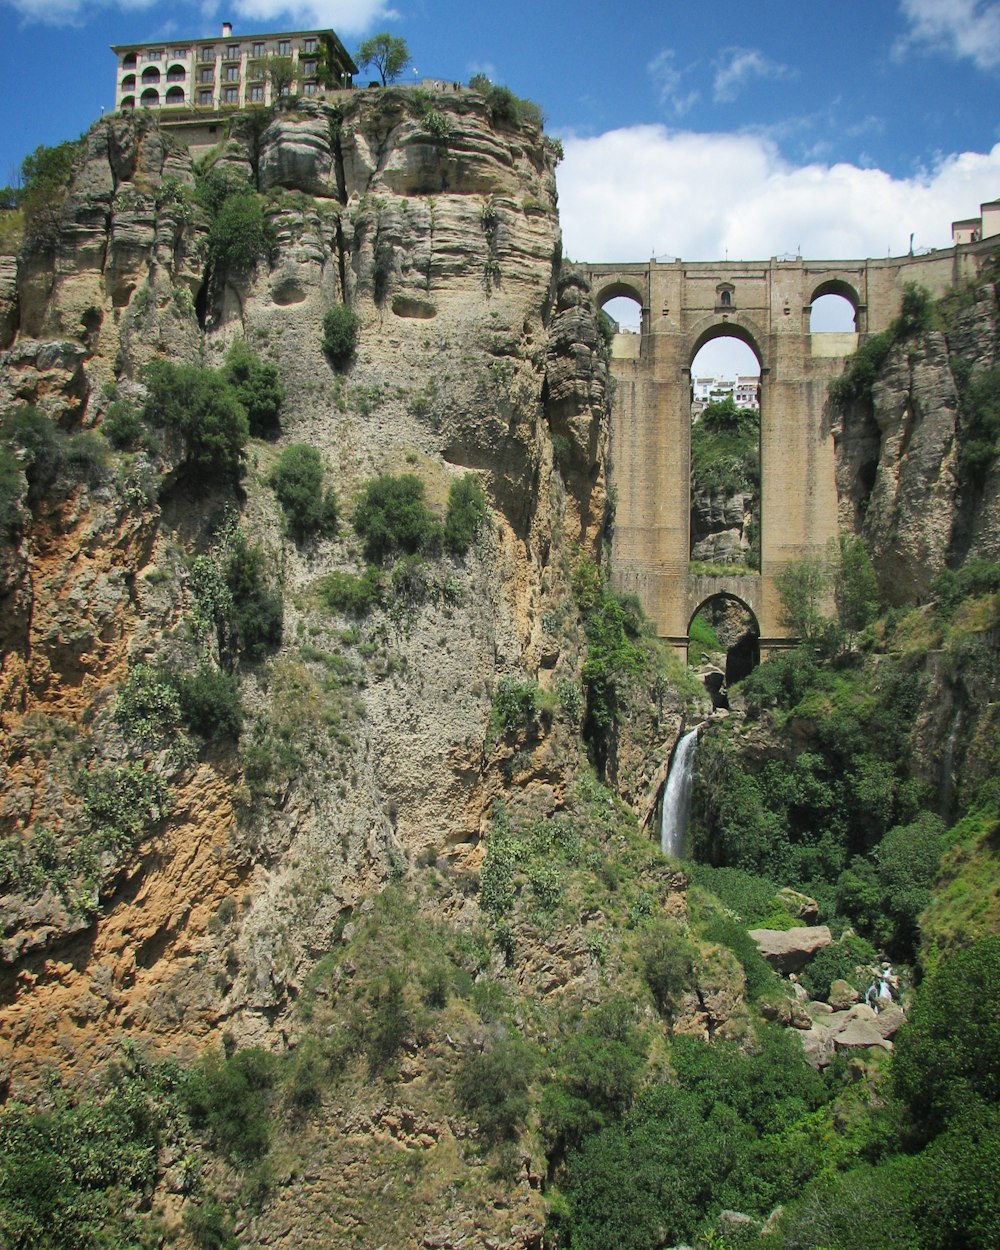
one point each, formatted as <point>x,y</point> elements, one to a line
<point>767,305</point>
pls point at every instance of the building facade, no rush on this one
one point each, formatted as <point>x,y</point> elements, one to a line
<point>231,72</point>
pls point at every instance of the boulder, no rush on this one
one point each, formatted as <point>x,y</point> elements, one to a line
<point>789,950</point>
<point>842,996</point>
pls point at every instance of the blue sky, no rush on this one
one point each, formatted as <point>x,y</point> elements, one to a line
<point>739,128</point>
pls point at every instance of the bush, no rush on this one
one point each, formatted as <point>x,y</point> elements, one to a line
<point>201,408</point>
<point>210,702</point>
<point>838,962</point>
<point>515,706</point>
<point>340,334</point>
<point>255,622</point>
<point>122,425</point>
<point>240,234</point>
<point>947,1059</point>
<point>120,804</point>
<point>391,516</point>
<point>467,513</point>
<point>230,1097</point>
<point>667,964</point>
<point>147,710</point>
<point>350,594</point>
<point>298,483</point>
<point>257,387</point>
<point>492,1088</point>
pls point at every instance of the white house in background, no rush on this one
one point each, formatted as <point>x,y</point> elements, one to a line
<point>742,391</point>
<point>216,75</point>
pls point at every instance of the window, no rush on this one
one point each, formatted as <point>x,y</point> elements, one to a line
<point>256,95</point>
<point>204,97</point>
<point>154,54</point>
<point>232,73</point>
<point>128,82</point>
<point>284,47</point>
<point>231,95</point>
<point>310,45</point>
<point>128,62</point>
<point>309,68</point>
<point>308,88</point>
<point>206,74</point>
<point>206,54</point>
<point>259,49</point>
<point>232,52</point>
<point>179,52</point>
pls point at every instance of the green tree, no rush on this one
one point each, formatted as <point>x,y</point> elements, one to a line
<point>855,588</point>
<point>388,53</point>
<point>298,483</point>
<point>340,333</point>
<point>947,1059</point>
<point>240,234</point>
<point>198,405</point>
<point>804,588</point>
<point>466,514</point>
<point>280,73</point>
<point>391,516</point>
<point>257,387</point>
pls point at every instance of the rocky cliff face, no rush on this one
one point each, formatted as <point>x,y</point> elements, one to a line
<point>473,352</point>
<point>899,477</point>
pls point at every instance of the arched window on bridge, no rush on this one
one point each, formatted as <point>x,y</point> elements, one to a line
<point>725,457</point>
<point>622,316</point>
<point>832,314</point>
<point>723,644</point>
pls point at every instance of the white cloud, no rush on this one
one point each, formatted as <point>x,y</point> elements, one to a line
<point>669,83</point>
<point>629,194</point>
<point>735,67</point>
<point>961,28</point>
<point>347,17</point>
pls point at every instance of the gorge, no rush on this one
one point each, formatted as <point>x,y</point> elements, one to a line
<point>333,902</point>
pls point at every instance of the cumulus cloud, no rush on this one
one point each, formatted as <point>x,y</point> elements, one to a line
<point>735,67</point>
<point>669,83</point>
<point>347,17</point>
<point>633,193</point>
<point>961,28</point>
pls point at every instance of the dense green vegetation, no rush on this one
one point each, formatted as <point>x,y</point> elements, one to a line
<point>340,333</point>
<point>36,455</point>
<point>392,518</point>
<point>297,480</point>
<point>725,458</point>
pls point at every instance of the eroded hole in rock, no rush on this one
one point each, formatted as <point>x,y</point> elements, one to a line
<point>724,643</point>
<point>409,306</point>
<point>288,291</point>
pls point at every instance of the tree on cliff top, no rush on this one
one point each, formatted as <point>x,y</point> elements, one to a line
<point>388,53</point>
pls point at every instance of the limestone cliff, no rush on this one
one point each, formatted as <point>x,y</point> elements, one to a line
<point>473,351</point>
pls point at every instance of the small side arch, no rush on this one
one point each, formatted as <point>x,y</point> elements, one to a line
<point>837,286</point>
<point>741,641</point>
<point>618,288</point>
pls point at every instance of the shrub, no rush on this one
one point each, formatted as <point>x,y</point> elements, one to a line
<point>492,1088</point>
<point>350,594</point>
<point>210,702</point>
<point>199,406</point>
<point>515,706</point>
<point>298,483</point>
<point>667,964</point>
<point>948,1057</point>
<point>257,387</point>
<point>838,962</point>
<point>122,425</point>
<point>147,710</point>
<point>209,1227</point>
<point>42,444</point>
<point>45,175</point>
<point>467,513</point>
<point>255,621</point>
<point>340,334</point>
<point>240,234</point>
<point>120,803</point>
<point>391,516</point>
<point>230,1097</point>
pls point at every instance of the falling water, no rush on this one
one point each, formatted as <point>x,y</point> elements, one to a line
<point>677,797</point>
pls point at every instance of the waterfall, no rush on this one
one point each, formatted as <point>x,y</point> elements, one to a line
<point>677,797</point>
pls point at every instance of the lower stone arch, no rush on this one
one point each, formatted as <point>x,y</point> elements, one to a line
<point>740,329</point>
<point>741,641</point>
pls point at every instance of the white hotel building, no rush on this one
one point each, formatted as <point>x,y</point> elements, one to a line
<point>215,75</point>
